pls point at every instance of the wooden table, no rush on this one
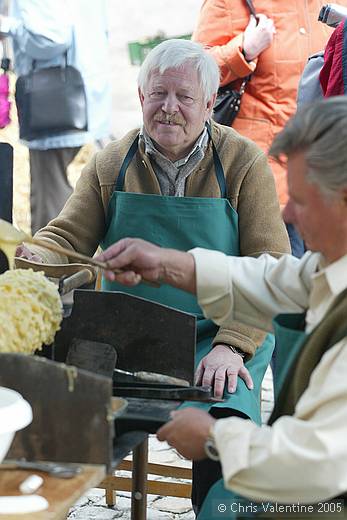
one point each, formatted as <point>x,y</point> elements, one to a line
<point>60,493</point>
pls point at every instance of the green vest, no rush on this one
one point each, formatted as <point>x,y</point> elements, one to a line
<point>328,332</point>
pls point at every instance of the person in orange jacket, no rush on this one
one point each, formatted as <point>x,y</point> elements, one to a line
<point>274,49</point>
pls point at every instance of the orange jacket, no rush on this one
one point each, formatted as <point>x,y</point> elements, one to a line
<point>270,97</point>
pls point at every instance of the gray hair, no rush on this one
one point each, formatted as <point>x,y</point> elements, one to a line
<point>173,54</point>
<point>320,132</point>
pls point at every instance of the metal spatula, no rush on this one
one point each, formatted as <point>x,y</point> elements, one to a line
<point>151,377</point>
<point>53,468</point>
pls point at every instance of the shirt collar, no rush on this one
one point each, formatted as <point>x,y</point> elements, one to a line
<point>335,275</point>
<point>150,147</point>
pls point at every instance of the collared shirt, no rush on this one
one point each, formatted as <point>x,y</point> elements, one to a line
<point>301,457</point>
<point>172,176</point>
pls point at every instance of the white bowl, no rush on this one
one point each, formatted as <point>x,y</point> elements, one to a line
<point>15,413</point>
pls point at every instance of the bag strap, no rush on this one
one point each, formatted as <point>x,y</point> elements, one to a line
<point>34,62</point>
<point>251,7</point>
<point>252,10</point>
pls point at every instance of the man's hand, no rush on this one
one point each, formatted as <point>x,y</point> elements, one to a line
<point>23,251</point>
<point>142,260</point>
<point>258,37</point>
<point>219,364</point>
<point>136,258</point>
<point>187,432</point>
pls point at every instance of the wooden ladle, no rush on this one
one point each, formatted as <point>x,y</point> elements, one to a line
<point>11,238</point>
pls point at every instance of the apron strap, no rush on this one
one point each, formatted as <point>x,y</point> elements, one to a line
<point>218,166</point>
<point>128,158</point>
<point>216,161</point>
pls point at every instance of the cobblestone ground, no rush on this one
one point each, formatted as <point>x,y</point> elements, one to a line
<point>93,505</point>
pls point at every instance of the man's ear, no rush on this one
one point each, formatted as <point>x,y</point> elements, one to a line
<point>141,96</point>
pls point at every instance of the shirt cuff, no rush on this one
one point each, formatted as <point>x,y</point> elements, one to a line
<point>214,284</point>
<point>232,437</point>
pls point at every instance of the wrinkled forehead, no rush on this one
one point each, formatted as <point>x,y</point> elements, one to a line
<point>184,76</point>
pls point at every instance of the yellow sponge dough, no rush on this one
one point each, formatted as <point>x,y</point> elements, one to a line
<point>30,311</point>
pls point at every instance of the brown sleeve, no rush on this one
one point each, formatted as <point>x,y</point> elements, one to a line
<point>261,226</point>
<point>246,338</point>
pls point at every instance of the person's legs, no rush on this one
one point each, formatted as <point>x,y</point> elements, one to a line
<point>50,187</point>
<point>207,472</point>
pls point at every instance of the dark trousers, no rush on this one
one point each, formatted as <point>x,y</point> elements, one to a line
<point>206,472</point>
<point>49,185</point>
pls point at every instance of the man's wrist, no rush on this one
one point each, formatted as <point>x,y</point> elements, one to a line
<point>235,350</point>
<point>178,270</point>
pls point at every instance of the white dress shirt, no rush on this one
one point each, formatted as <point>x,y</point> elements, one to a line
<point>301,457</point>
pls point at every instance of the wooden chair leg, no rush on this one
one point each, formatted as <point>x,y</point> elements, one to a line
<point>139,482</point>
<point>110,496</point>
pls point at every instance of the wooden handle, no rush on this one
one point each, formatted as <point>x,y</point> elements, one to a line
<point>53,270</point>
<point>161,378</point>
<point>67,252</point>
<point>79,256</point>
<point>75,281</point>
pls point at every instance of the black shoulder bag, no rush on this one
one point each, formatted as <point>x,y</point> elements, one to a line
<point>228,101</point>
<point>51,101</point>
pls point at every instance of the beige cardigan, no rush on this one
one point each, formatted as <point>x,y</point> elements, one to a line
<point>81,225</point>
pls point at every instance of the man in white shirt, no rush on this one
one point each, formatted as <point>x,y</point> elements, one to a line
<point>301,456</point>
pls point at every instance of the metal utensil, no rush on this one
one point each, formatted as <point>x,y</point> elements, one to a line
<point>54,469</point>
<point>171,393</point>
<point>151,377</point>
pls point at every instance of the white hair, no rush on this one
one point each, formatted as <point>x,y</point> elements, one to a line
<point>320,132</point>
<point>173,54</point>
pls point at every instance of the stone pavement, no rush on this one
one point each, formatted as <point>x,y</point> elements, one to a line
<point>93,505</point>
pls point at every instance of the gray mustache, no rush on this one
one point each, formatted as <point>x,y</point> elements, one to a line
<point>166,118</point>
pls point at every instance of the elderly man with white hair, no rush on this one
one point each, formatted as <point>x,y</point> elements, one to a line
<point>183,181</point>
<point>300,457</point>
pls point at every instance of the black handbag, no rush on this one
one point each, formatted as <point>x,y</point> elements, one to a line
<point>51,101</point>
<point>228,100</point>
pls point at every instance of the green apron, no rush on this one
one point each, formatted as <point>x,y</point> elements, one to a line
<point>184,223</point>
<point>290,337</point>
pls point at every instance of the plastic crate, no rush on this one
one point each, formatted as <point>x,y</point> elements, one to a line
<point>138,50</point>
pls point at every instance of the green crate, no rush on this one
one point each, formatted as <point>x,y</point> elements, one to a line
<point>138,50</point>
